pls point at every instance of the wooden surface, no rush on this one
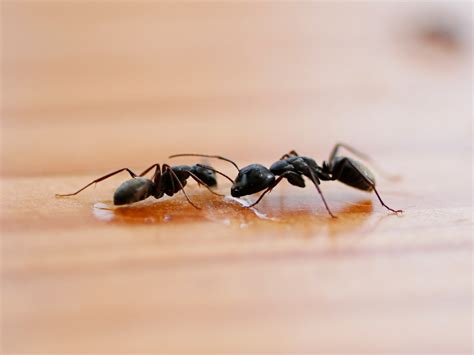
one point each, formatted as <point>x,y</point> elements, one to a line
<point>89,87</point>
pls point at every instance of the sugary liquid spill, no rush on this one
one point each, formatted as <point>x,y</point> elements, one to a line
<point>232,211</point>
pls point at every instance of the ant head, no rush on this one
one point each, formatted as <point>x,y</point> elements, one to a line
<point>206,173</point>
<point>205,156</point>
<point>206,169</point>
<point>251,179</point>
<point>133,190</point>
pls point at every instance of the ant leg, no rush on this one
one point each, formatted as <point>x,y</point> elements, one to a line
<point>173,175</point>
<point>277,181</point>
<point>350,149</point>
<point>316,181</point>
<point>346,161</point>
<point>291,153</point>
<point>270,188</point>
<point>362,156</point>
<point>383,204</point>
<point>99,180</point>
<point>200,182</point>
<point>148,169</point>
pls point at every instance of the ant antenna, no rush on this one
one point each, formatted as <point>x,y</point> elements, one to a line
<point>216,171</point>
<point>205,156</point>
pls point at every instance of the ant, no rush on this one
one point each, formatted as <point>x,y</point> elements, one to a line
<point>165,180</point>
<point>254,178</point>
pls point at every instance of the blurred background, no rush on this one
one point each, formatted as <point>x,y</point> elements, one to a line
<point>89,86</point>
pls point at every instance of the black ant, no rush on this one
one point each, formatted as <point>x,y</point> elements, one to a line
<point>165,180</point>
<point>255,177</point>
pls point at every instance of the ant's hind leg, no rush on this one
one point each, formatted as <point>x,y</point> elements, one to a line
<point>383,204</point>
<point>99,180</point>
<point>362,156</point>
<point>350,149</point>
<point>354,168</point>
<point>291,153</point>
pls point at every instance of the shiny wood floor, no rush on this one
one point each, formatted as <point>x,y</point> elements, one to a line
<point>90,87</point>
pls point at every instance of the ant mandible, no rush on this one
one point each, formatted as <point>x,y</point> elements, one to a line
<point>255,177</point>
<point>165,180</point>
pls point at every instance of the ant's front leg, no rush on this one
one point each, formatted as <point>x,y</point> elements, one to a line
<point>292,177</point>
<point>270,188</point>
<point>200,182</point>
<point>166,167</point>
<point>99,180</point>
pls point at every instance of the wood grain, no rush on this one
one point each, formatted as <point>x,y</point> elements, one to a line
<point>89,87</point>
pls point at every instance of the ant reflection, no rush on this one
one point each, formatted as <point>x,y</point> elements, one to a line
<point>176,210</point>
<point>302,221</point>
<point>352,217</point>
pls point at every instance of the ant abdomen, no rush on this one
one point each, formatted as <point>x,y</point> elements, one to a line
<point>133,190</point>
<point>353,173</point>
